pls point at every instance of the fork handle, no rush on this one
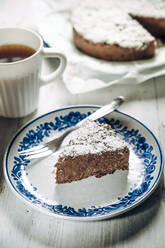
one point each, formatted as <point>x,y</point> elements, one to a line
<point>103,111</point>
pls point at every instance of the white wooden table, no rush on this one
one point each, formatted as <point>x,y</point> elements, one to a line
<point>144,226</point>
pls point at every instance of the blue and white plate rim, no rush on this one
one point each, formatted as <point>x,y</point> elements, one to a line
<point>86,218</point>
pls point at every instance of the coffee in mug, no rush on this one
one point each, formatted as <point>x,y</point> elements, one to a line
<point>15,52</point>
<point>21,55</point>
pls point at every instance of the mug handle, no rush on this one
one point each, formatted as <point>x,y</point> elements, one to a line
<point>50,52</point>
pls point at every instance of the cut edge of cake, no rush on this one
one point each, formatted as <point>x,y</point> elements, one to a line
<point>91,155</point>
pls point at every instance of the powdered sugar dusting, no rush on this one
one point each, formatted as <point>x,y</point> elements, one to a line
<point>110,26</point>
<point>92,137</point>
<point>145,8</point>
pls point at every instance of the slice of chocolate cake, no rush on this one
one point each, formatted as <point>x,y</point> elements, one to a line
<point>92,150</point>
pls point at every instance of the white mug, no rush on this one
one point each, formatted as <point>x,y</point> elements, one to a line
<point>20,81</point>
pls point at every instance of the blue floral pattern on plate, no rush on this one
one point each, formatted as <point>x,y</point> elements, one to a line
<point>36,135</point>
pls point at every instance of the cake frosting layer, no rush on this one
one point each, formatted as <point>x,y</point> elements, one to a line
<point>110,26</point>
<point>94,138</point>
<point>146,8</point>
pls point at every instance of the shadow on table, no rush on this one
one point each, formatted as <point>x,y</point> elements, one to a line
<point>8,127</point>
<point>115,231</point>
<point>51,232</point>
<point>135,221</point>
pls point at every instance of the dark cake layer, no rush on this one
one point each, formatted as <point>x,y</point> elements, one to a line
<point>113,52</point>
<point>70,169</point>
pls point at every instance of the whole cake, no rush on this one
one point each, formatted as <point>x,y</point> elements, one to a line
<point>118,30</point>
<point>92,150</point>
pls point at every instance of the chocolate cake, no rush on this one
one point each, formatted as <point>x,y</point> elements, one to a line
<point>92,150</point>
<point>118,30</point>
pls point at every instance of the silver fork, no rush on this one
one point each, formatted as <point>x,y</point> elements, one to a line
<point>50,147</point>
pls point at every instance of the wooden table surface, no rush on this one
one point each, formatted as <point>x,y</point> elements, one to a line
<point>142,227</point>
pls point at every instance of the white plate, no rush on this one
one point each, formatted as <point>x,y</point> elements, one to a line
<point>92,198</point>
